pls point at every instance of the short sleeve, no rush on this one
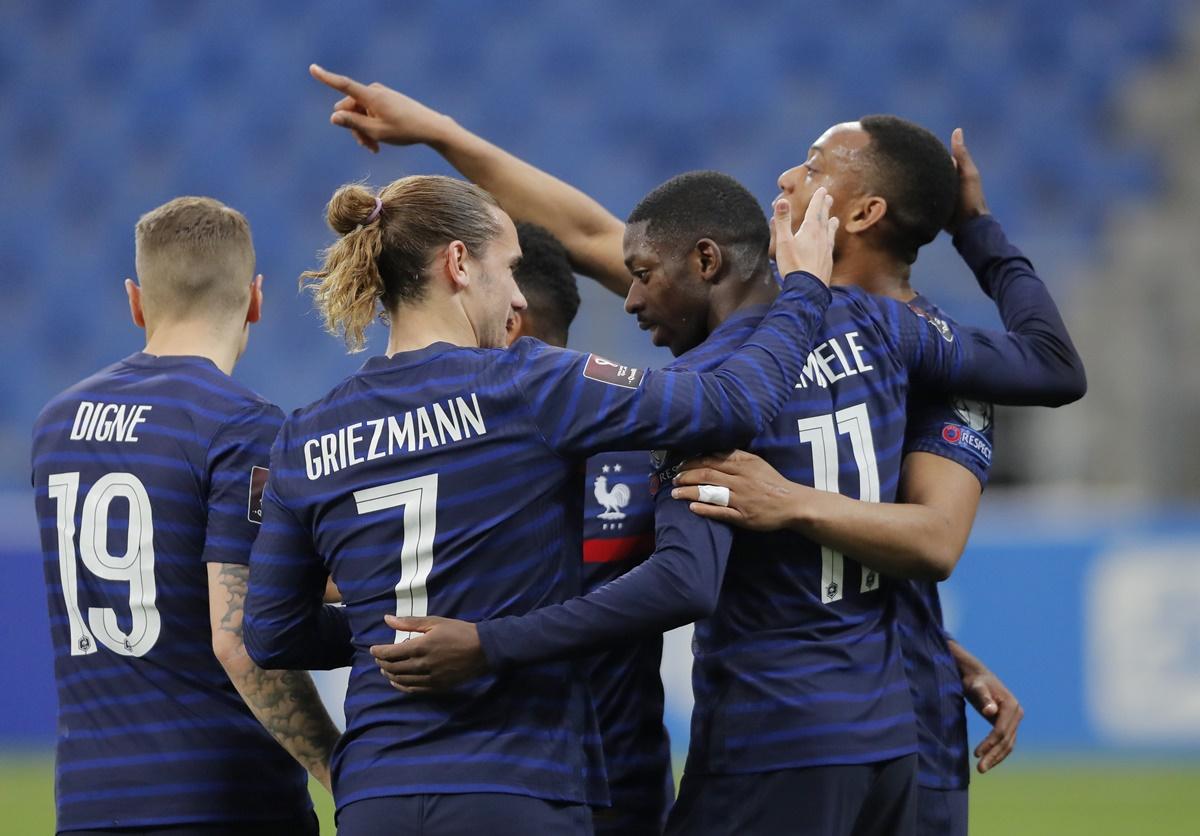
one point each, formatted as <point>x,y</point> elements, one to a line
<point>237,464</point>
<point>957,429</point>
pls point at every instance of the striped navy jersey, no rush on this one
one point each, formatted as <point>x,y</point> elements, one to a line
<point>446,481</point>
<point>143,473</point>
<point>960,430</point>
<point>801,664</point>
<point>626,685</point>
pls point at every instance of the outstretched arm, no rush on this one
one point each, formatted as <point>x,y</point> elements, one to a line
<point>679,583</point>
<point>285,702</point>
<point>921,536</point>
<point>591,234</point>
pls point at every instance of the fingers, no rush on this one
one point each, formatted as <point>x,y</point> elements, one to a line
<point>962,157</point>
<point>704,476</point>
<point>341,83</point>
<point>981,697</point>
<point>782,221</point>
<point>398,652</point>
<point>720,513</point>
<point>999,743</point>
<point>410,624</point>
<point>349,104</point>
<point>817,213</point>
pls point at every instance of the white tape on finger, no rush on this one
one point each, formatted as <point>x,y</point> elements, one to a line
<point>715,495</point>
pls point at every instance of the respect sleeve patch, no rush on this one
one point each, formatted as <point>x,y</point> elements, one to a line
<point>258,484</point>
<point>614,374</point>
<point>970,440</point>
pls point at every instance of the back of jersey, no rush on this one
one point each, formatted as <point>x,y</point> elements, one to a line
<point>142,473</point>
<point>425,486</point>
<point>801,665</point>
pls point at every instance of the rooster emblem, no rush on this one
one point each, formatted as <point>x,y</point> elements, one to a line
<point>613,499</point>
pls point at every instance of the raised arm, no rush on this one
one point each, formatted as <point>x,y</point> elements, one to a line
<point>1032,363</point>
<point>582,405</point>
<point>591,234</point>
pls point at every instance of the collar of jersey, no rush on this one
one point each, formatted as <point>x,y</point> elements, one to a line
<point>141,358</point>
<point>403,359</point>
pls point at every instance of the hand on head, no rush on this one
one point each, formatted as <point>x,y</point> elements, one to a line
<point>970,203</point>
<point>811,248</point>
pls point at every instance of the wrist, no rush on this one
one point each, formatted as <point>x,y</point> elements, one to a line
<point>444,133</point>
<point>490,645</point>
<point>805,509</point>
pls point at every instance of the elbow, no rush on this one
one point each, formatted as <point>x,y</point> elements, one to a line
<point>700,603</point>
<point>267,654</point>
<point>1070,383</point>
<point>938,565</point>
<point>227,646</point>
<point>1078,383</point>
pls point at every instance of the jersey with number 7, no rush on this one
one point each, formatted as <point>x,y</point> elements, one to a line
<point>449,481</point>
<point>142,474</point>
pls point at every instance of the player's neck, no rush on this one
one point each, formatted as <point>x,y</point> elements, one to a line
<point>732,296</point>
<point>419,326</point>
<point>195,339</point>
<point>877,273</point>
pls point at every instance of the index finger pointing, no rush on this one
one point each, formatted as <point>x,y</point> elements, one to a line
<point>342,83</point>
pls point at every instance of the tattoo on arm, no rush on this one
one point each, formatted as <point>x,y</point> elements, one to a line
<point>285,702</point>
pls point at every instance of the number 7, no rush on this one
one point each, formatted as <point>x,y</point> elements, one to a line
<point>418,497</point>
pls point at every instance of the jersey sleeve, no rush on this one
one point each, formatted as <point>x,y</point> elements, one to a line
<point>957,429</point>
<point>677,584</point>
<point>287,625</point>
<point>583,404</point>
<point>238,455</point>
<point>1032,363</point>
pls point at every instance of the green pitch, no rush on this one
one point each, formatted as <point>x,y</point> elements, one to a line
<point>1051,797</point>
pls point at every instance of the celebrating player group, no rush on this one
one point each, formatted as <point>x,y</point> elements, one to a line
<point>493,532</point>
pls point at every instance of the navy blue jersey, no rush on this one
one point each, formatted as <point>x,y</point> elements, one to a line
<point>626,685</point>
<point>142,473</point>
<point>446,481</point>
<point>801,665</point>
<point>959,430</point>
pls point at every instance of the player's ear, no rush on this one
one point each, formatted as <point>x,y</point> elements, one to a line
<point>135,303</point>
<point>254,312</point>
<point>863,213</point>
<point>707,259</point>
<point>455,261</point>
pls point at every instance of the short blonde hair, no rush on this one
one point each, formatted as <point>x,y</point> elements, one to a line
<point>195,257</point>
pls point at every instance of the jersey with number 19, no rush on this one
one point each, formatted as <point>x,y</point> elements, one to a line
<point>142,473</point>
<point>448,481</point>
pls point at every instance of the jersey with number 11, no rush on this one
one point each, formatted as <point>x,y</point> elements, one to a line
<point>142,473</point>
<point>801,664</point>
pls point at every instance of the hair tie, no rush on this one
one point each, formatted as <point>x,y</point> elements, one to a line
<point>375,212</point>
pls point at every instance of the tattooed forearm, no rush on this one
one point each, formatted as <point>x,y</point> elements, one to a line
<point>285,702</point>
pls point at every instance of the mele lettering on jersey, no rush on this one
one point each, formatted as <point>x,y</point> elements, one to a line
<point>829,362</point>
<point>108,421</point>
<point>418,429</point>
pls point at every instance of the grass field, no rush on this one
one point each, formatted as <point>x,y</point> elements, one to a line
<point>1050,797</point>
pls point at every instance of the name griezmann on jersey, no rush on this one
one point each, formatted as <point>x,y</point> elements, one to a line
<point>425,427</point>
